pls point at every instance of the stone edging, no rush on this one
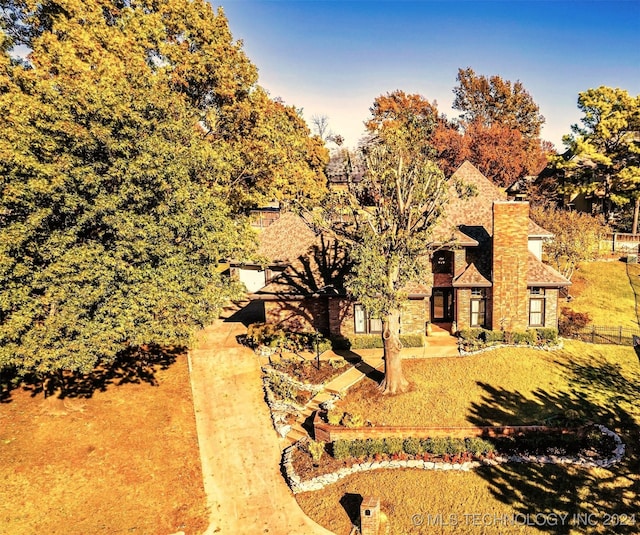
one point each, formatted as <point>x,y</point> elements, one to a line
<point>322,481</point>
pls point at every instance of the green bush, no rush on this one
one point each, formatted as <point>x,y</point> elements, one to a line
<point>547,335</point>
<point>366,341</point>
<point>338,363</point>
<point>525,337</point>
<point>341,449</point>
<point>456,445</point>
<point>472,334</point>
<point>316,449</point>
<point>438,446</point>
<point>374,446</point>
<point>412,340</point>
<point>412,446</point>
<point>352,420</point>
<point>358,448</point>
<point>494,336</point>
<point>281,388</point>
<point>393,445</point>
<point>478,446</point>
<point>334,417</point>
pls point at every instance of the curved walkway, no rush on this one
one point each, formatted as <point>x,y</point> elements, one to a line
<point>239,449</point>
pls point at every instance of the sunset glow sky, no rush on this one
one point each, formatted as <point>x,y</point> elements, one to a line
<point>334,58</point>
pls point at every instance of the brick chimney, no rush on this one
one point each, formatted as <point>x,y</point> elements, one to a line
<point>510,259</point>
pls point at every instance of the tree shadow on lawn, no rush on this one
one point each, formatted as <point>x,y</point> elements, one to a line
<point>133,366</point>
<point>601,394</point>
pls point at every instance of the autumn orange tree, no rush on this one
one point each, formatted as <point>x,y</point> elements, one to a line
<point>501,126</point>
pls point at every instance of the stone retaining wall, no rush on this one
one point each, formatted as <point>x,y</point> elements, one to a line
<point>317,483</point>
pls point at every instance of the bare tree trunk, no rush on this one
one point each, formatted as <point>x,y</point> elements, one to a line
<point>636,209</point>
<point>394,381</point>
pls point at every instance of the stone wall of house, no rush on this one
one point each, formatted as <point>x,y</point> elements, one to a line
<point>306,315</point>
<point>341,317</point>
<point>413,316</point>
<point>459,261</point>
<point>550,307</point>
<point>463,308</point>
<point>463,305</point>
<point>510,260</point>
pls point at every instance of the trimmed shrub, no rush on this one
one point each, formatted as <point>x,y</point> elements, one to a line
<point>478,446</point>
<point>341,449</point>
<point>412,340</point>
<point>358,448</point>
<point>393,445</point>
<point>525,337</point>
<point>456,445</point>
<point>366,341</point>
<point>547,335</point>
<point>334,417</point>
<point>374,446</point>
<point>438,446</point>
<point>412,446</point>
<point>352,420</point>
<point>472,334</point>
<point>316,449</point>
<point>494,336</point>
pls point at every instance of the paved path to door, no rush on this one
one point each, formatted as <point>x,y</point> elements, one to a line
<point>239,449</point>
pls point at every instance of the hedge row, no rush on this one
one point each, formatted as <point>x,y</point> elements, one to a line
<point>359,448</point>
<point>374,341</point>
<point>479,337</point>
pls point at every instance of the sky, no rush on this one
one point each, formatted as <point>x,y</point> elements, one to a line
<point>333,58</point>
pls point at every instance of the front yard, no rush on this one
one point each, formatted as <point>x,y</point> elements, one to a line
<point>510,386</point>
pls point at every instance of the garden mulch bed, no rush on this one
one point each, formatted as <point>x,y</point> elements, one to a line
<point>306,371</point>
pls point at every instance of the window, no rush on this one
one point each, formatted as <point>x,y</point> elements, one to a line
<point>478,307</point>
<point>363,323</point>
<point>536,308</point>
<point>443,262</point>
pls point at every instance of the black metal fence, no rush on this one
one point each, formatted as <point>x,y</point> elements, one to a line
<point>603,334</point>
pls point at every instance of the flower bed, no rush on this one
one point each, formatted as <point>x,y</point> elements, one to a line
<point>592,446</point>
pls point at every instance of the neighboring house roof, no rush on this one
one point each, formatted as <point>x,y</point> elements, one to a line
<point>536,231</point>
<point>286,239</point>
<point>543,275</point>
<point>471,277</point>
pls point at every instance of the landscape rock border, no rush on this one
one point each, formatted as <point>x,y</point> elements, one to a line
<point>297,485</point>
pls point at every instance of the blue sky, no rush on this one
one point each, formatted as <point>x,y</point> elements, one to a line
<point>334,58</point>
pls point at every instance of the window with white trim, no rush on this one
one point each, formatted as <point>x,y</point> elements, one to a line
<point>478,307</point>
<point>536,307</point>
<point>363,322</point>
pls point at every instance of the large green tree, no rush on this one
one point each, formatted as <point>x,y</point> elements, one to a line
<point>122,146</point>
<point>386,220</point>
<point>605,149</point>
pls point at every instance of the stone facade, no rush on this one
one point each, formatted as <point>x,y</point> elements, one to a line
<point>510,265</point>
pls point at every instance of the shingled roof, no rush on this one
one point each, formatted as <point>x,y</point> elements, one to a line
<point>471,277</point>
<point>286,239</point>
<point>543,275</point>
<point>476,211</point>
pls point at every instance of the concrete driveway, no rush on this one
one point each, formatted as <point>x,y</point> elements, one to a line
<point>239,448</point>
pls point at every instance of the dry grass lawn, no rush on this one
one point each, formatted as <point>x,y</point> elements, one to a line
<point>607,291</point>
<point>122,461</point>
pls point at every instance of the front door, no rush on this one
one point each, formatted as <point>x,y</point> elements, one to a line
<point>442,305</point>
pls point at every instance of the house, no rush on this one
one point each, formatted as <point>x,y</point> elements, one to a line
<point>491,275</point>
